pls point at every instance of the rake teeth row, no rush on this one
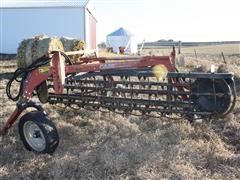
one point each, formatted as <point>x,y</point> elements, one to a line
<point>139,91</point>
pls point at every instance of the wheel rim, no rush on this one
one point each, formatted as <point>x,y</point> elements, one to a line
<point>34,136</point>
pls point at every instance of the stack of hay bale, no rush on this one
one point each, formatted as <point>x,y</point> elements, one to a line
<point>33,48</point>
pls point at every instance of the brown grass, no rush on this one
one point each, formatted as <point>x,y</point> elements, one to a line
<point>97,145</point>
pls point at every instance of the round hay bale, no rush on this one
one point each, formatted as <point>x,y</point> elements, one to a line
<point>67,43</point>
<point>71,44</point>
<point>33,48</point>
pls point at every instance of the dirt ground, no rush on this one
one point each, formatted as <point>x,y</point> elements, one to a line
<point>96,145</point>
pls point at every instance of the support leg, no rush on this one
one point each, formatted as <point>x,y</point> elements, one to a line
<point>10,121</point>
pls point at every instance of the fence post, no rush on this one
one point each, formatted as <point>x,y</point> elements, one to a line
<point>196,54</point>
<point>224,60</point>
<point>179,47</point>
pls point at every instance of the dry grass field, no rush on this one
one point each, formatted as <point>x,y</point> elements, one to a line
<point>231,52</point>
<point>96,145</point>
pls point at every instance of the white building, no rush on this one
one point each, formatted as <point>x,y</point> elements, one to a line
<point>24,19</point>
<point>121,38</point>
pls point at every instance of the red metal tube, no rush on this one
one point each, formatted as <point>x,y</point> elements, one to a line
<point>16,113</point>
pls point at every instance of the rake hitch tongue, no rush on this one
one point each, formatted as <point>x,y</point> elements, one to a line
<point>127,85</point>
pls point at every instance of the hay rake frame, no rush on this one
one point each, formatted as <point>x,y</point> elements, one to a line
<point>186,94</point>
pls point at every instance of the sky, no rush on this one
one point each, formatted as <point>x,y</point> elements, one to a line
<point>152,20</point>
<point>185,20</point>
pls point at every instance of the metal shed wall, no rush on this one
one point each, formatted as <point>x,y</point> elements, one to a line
<point>20,23</point>
<point>90,30</point>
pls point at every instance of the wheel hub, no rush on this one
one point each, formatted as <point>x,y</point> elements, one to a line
<point>34,136</point>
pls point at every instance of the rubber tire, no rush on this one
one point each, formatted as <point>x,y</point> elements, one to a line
<point>42,121</point>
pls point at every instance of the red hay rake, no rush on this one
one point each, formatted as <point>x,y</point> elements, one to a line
<point>121,84</point>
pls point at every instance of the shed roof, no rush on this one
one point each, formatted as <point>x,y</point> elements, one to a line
<point>120,32</point>
<point>42,3</point>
